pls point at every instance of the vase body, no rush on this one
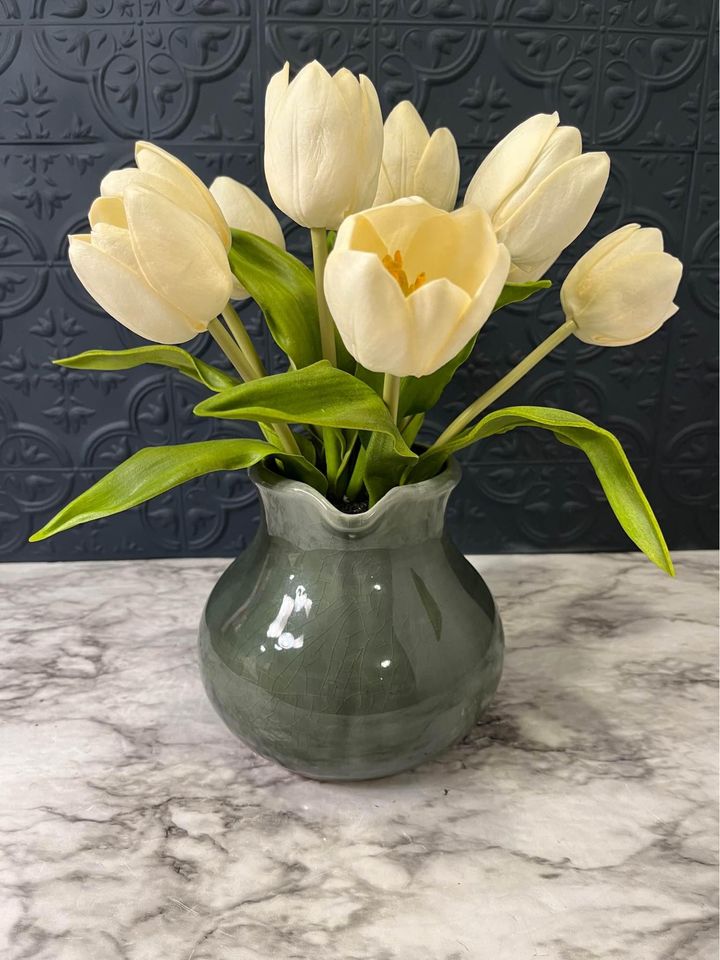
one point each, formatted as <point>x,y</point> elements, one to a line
<point>351,646</point>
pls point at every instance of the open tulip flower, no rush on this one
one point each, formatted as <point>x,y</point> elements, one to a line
<point>375,332</point>
<point>433,277</point>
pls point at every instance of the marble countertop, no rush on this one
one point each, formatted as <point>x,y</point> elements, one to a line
<point>577,822</point>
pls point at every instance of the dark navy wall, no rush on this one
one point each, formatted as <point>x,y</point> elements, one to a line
<point>80,80</point>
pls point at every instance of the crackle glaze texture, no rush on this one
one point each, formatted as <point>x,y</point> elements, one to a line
<point>80,80</point>
<point>576,821</point>
<point>351,647</point>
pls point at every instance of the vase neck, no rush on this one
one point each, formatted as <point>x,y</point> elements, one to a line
<point>411,514</point>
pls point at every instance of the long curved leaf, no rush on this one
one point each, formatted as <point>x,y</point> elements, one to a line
<point>319,395</point>
<point>164,356</point>
<point>154,470</point>
<point>602,449</point>
<point>284,289</point>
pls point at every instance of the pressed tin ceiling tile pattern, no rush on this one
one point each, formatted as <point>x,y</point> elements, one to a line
<point>82,79</point>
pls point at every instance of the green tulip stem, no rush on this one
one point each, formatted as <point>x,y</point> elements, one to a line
<point>509,380</point>
<point>391,394</point>
<point>238,359</point>
<point>242,338</point>
<point>318,237</point>
<point>357,477</point>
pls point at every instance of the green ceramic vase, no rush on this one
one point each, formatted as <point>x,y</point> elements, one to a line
<point>347,647</point>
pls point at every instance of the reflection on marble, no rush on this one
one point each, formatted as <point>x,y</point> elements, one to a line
<point>577,822</point>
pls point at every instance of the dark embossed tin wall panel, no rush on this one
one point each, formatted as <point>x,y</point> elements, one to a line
<point>80,80</point>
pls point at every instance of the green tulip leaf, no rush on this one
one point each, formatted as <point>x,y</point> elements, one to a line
<point>517,292</point>
<point>284,289</point>
<point>164,356</point>
<point>601,447</point>
<point>320,395</point>
<point>384,465</point>
<point>155,470</point>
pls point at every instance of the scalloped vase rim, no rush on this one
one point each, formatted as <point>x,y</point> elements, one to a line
<point>444,482</point>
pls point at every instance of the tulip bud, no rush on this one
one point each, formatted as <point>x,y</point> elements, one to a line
<point>154,266</point>
<point>540,191</point>
<point>323,144</point>
<point>164,173</point>
<point>621,291</point>
<point>409,285</point>
<point>244,210</point>
<point>415,164</point>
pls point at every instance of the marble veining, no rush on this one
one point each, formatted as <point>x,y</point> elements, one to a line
<point>577,822</point>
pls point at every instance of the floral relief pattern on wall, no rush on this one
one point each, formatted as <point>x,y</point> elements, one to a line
<point>82,79</point>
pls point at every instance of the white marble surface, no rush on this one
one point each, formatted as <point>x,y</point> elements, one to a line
<point>577,822</point>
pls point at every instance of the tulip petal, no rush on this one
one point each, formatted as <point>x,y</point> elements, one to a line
<point>629,300</point>
<point>555,213</point>
<point>107,210</point>
<point>157,162</point>
<point>482,303</point>
<point>564,144</point>
<point>127,297</point>
<point>396,223</point>
<point>244,210</point>
<point>437,176</point>
<point>276,90</point>
<point>618,244</point>
<point>437,310</point>
<point>179,254</point>
<point>405,140</point>
<point>460,246</point>
<point>357,233</point>
<point>114,185</point>
<point>370,147</point>
<point>115,241</point>
<point>369,310</point>
<point>510,161</point>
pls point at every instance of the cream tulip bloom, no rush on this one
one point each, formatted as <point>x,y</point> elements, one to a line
<point>622,290</point>
<point>415,164</point>
<point>244,210</point>
<point>408,285</point>
<point>323,144</point>
<point>540,191</point>
<point>161,171</point>
<point>154,266</point>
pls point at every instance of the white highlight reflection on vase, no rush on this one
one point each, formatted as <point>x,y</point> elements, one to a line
<point>284,638</point>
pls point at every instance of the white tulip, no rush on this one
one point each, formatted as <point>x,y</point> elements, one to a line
<point>154,266</point>
<point>164,173</point>
<point>540,190</point>
<point>244,210</point>
<point>415,164</point>
<point>622,290</point>
<point>323,144</point>
<point>409,285</point>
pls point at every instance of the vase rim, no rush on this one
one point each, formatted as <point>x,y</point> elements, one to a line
<point>438,486</point>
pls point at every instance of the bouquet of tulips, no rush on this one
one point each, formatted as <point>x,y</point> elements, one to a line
<point>401,287</point>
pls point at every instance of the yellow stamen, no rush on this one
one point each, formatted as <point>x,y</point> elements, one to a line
<point>395,266</point>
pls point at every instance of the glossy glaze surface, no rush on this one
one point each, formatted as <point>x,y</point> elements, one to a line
<point>351,647</point>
